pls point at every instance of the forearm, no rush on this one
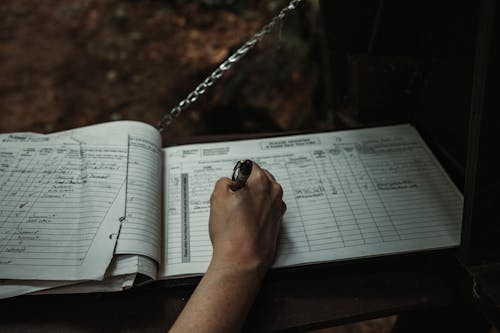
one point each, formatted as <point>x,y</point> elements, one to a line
<point>221,301</point>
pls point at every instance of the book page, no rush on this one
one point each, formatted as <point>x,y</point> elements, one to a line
<point>111,284</point>
<point>61,199</point>
<point>120,275</point>
<point>12,288</point>
<point>350,194</point>
<point>131,264</point>
<point>141,230</point>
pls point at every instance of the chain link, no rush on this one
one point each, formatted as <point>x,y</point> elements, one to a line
<point>217,73</point>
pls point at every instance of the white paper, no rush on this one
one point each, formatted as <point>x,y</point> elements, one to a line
<point>96,162</point>
<point>110,284</point>
<point>120,275</point>
<point>61,201</point>
<point>12,288</point>
<point>141,230</point>
<point>350,194</point>
<point>132,264</point>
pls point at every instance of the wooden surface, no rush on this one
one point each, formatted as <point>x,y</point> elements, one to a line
<point>487,291</point>
<point>481,231</point>
<point>480,249</point>
<point>290,300</point>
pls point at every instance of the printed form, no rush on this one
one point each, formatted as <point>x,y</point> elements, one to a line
<point>141,230</point>
<point>350,194</point>
<point>60,204</point>
<point>132,154</point>
<point>58,184</point>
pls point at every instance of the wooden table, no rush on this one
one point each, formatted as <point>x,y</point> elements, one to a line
<point>292,299</point>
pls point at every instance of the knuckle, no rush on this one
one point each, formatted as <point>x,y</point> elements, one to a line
<point>276,192</point>
<point>279,190</point>
<point>260,175</point>
<point>213,198</point>
<point>216,192</point>
<point>261,178</point>
<point>219,183</point>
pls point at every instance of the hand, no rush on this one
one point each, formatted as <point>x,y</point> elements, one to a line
<point>244,225</point>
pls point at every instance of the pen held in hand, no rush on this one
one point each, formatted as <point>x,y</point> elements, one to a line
<point>241,172</point>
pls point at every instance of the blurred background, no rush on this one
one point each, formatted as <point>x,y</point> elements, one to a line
<point>330,64</point>
<point>70,63</point>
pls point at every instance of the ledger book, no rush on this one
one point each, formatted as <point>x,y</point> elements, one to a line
<point>91,208</point>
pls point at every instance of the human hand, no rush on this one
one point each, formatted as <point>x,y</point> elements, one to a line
<point>244,225</point>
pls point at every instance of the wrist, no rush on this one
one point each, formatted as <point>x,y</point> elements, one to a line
<point>247,269</point>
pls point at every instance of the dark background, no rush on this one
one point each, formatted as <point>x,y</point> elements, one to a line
<point>71,63</point>
<point>66,64</point>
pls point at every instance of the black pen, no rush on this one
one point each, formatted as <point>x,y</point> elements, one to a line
<point>241,172</point>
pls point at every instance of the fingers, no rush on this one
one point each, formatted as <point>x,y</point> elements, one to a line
<point>269,175</point>
<point>264,180</point>
<point>260,180</point>
<point>276,186</point>
<point>260,175</point>
<point>223,183</point>
<point>222,187</point>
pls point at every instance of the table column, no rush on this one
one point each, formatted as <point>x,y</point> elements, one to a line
<point>293,237</point>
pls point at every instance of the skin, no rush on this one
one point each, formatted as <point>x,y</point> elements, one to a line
<point>244,227</point>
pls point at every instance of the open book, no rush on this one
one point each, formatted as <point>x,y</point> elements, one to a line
<point>90,208</point>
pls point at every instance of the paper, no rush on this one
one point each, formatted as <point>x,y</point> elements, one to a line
<point>131,264</point>
<point>111,284</point>
<point>61,200</point>
<point>120,275</point>
<point>141,230</point>
<point>350,194</point>
<point>12,288</point>
<point>71,199</point>
<point>140,226</point>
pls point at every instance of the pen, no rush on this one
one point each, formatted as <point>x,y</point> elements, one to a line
<point>241,172</point>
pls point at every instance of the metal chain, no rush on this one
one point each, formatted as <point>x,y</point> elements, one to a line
<point>217,74</point>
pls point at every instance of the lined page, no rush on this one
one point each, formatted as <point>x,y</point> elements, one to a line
<point>141,230</point>
<point>131,264</point>
<point>60,203</point>
<point>350,194</point>
<point>12,288</point>
<point>111,284</point>
<point>120,275</point>
<point>122,265</point>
